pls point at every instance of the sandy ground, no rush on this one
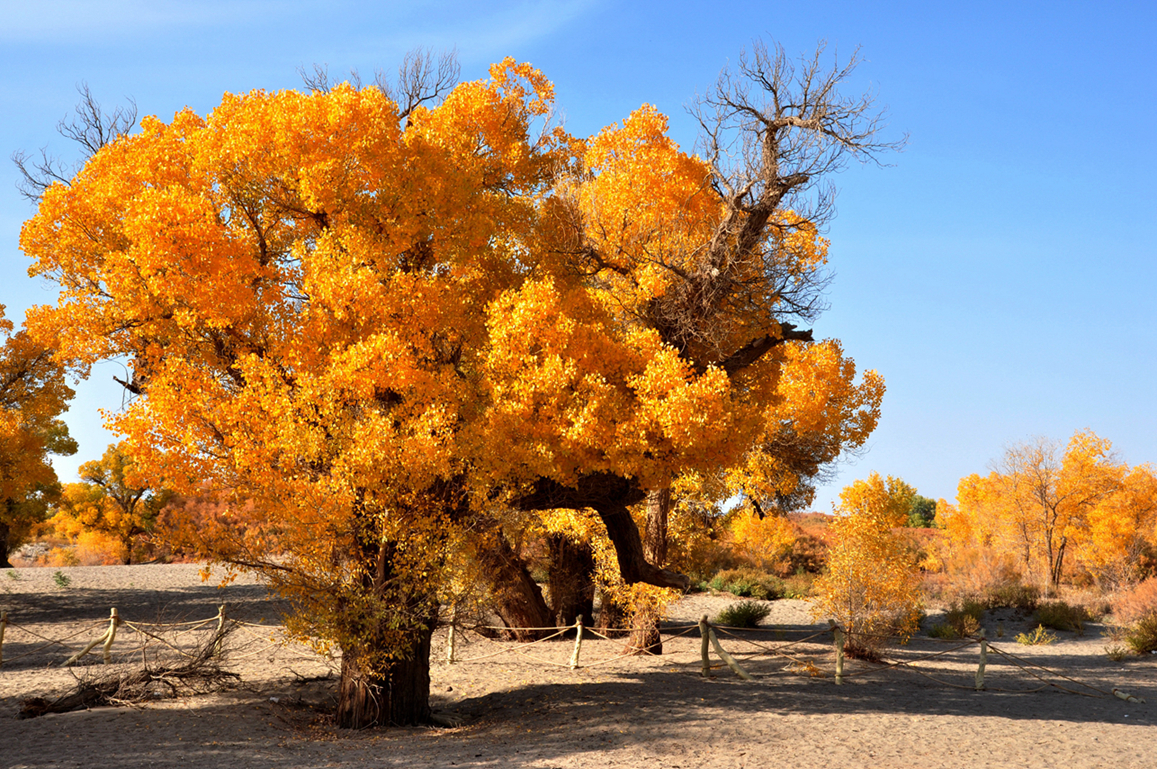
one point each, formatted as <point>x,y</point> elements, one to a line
<point>526,708</point>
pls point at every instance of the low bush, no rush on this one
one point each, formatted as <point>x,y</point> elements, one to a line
<point>1013,595</point>
<point>1038,637</point>
<point>1060,615</point>
<point>743,614</point>
<point>749,583</point>
<point>1135,603</point>
<point>960,621</point>
<point>1141,636</point>
<point>799,585</point>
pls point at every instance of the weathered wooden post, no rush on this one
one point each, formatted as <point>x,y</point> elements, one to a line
<point>450,635</point>
<point>106,638</point>
<point>705,645</point>
<point>731,661</point>
<point>113,620</point>
<point>983,661</point>
<point>219,633</point>
<point>3,624</point>
<point>838,635</point>
<point>578,642</point>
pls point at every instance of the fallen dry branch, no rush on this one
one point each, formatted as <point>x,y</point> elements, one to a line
<point>200,672</point>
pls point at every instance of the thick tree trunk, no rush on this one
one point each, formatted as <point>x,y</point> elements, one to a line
<point>645,636</point>
<point>396,695</point>
<point>5,533</point>
<point>658,508</point>
<point>572,583</point>
<point>633,564</point>
<point>608,495</point>
<point>518,600</point>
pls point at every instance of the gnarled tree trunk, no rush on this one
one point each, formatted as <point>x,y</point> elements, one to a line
<point>518,600</point>
<point>397,694</point>
<point>572,583</point>
<point>645,636</point>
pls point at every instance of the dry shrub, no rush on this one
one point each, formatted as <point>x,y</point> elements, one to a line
<point>984,575</point>
<point>197,672</point>
<point>1136,603</point>
<point>1141,636</point>
<point>1060,615</point>
<point>749,583</point>
<point>1135,617</point>
<point>960,621</point>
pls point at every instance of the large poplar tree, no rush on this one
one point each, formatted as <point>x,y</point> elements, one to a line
<point>385,320</point>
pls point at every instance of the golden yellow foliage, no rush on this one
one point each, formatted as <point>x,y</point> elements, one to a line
<point>371,329</point>
<point>1040,504</point>
<point>871,586</point>
<point>765,542</point>
<point>33,394</point>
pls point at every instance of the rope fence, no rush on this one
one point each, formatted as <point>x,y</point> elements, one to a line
<point>832,638</point>
<point>150,633</point>
<point>790,650</point>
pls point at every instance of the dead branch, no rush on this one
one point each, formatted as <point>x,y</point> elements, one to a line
<point>91,128</point>
<point>200,673</point>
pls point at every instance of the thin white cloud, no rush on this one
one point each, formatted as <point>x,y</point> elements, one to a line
<point>66,21</point>
<point>480,33</point>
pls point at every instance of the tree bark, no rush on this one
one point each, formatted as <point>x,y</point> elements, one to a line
<point>396,695</point>
<point>645,636</point>
<point>5,533</point>
<point>658,508</point>
<point>572,584</point>
<point>518,600</point>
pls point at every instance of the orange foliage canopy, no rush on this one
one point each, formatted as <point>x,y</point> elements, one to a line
<point>33,394</point>
<point>372,327</point>
<point>1040,504</point>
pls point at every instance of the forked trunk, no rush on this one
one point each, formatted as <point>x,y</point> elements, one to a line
<point>572,580</point>
<point>397,694</point>
<point>517,599</point>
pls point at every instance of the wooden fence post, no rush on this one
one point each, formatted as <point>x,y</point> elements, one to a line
<point>450,635</point>
<point>578,642</point>
<point>838,635</point>
<point>983,661</point>
<point>3,624</point>
<point>731,662</point>
<point>105,637</point>
<point>219,634</point>
<point>705,645</point>
<point>113,620</point>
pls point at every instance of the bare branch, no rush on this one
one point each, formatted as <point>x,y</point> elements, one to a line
<point>91,128</point>
<point>421,79</point>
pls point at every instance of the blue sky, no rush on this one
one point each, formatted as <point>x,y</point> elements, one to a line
<point>1000,274</point>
